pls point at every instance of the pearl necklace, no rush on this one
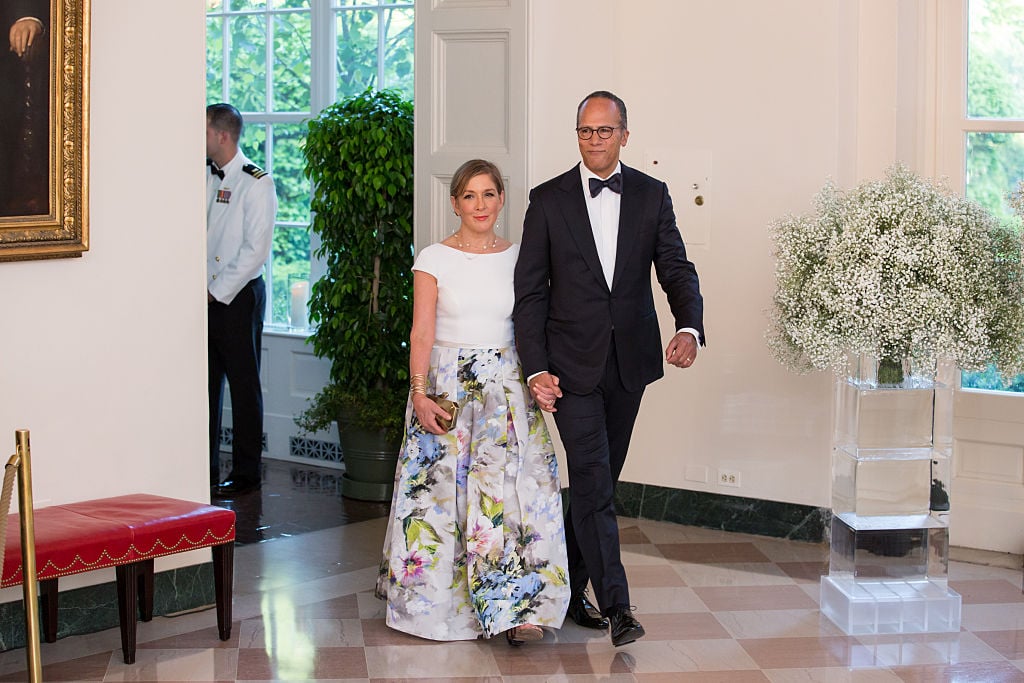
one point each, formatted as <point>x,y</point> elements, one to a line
<point>458,241</point>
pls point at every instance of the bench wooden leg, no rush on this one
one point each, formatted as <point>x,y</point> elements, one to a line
<point>48,601</point>
<point>146,590</point>
<point>127,589</point>
<point>223,582</point>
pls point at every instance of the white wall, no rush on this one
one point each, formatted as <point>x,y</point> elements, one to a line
<point>781,96</point>
<point>103,358</point>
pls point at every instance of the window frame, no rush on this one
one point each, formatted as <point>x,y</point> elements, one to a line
<point>954,125</point>
<point>323,18</point>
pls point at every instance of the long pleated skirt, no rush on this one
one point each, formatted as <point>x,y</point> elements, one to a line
<point>475,543</point>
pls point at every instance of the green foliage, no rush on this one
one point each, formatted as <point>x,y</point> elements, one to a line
<point>291,264</point>
<point>359,155</point>
<point>276,116</point>
<point>991,379</point>
<point>359,54</point>
<point>995,83</point>
<point>995,160</point>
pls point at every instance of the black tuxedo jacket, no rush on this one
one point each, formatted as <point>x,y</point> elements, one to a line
<point>565,314</point>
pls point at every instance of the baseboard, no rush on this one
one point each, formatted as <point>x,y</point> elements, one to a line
<point>94,608</point>
<point>728,513</point>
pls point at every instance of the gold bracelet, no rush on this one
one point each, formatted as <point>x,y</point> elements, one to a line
<point>418,385</point>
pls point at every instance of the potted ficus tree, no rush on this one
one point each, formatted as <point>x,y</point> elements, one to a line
<point>359,155</point>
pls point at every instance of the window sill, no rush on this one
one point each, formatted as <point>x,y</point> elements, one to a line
<point>280,330</point>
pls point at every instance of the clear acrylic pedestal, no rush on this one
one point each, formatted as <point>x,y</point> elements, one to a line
<point>891,456</point>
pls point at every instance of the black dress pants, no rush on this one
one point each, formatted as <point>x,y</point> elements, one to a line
<point>595,429</point>
<point>235,336</point>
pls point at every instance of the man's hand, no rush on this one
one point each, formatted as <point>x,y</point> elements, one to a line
<point>681,350</point>
<point>544,388</point>
<point>23,33</point>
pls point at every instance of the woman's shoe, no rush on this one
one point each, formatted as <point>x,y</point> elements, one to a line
<point>523,633</point>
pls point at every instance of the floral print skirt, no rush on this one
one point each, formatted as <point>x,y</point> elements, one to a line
<point>475,543</point>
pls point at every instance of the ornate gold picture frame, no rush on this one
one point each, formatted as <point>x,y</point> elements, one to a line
<point>44,129</point>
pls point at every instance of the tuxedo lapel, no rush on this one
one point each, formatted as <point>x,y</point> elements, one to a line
<point>574,212</point>
<point>630,206</point>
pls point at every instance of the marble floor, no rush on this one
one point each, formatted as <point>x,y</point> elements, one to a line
<point>718,607</point>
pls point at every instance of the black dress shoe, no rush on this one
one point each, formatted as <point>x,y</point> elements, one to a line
<point>236,487</point>
<point>625,629</point>
<point>584,613</point>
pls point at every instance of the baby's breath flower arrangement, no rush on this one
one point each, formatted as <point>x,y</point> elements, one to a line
<point>898,268</point>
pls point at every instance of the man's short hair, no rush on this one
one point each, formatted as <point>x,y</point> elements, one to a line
<point>223,116</point>
<point>604,94</point>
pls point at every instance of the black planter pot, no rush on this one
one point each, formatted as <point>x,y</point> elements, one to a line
<point>370,461</point>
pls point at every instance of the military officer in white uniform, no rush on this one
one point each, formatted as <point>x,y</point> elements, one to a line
<point>241,205</point>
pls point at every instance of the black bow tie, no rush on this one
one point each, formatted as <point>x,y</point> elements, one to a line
<point>613,183</point>
<point>214,170</point>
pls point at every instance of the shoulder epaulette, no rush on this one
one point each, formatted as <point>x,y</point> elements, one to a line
<point>254,170</point>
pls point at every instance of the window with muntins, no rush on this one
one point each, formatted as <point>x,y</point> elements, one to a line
<point>280,62</point>
<point>993,124</point>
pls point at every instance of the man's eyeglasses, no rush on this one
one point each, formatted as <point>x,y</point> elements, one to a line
<point>603,132</point>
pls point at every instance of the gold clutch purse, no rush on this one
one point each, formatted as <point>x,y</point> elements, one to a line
<point>450,407</point>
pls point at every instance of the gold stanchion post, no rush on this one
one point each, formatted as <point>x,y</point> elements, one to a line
<point>30,588</point>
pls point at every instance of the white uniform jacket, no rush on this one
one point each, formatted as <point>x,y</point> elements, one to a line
<point>240,213</point>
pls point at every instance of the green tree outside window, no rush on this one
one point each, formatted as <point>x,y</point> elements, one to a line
<point>995,160</point>
<point>373,48</point>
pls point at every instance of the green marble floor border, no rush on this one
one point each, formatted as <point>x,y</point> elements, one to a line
<point>728,513</point>
<point>94,608</point>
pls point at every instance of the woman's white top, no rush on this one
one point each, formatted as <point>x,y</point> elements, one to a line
<point>474,295</point>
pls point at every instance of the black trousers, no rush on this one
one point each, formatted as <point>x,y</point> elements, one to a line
<point>235,336</point>
<point>595,429</point>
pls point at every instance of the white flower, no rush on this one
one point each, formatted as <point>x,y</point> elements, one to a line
<point>484,538</point>
<point>898,268</point>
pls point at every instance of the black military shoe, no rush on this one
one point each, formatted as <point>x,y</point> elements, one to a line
<point>583,612</point>
<point>236,487</point>
<point>625,629</point>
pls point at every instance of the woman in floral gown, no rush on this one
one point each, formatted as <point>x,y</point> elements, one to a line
<point>475,544</point>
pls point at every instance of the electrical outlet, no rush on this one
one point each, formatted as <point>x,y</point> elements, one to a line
<point>729,478</point>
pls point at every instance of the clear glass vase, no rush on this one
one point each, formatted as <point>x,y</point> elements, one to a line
<point>891,456</point>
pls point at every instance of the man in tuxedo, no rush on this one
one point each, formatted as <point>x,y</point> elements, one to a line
<point>588,338</point>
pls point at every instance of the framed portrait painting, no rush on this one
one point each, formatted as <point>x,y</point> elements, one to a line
<point>44,128</point>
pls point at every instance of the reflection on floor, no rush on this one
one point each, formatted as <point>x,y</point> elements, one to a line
<point>295,499</point>
<point>718,607</point>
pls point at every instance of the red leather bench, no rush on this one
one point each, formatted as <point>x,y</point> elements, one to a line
<point>124,532</point>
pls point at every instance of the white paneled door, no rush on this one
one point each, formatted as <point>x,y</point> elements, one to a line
<point>470,103</point>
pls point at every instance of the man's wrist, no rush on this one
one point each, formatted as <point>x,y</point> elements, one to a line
<point>692,331</point>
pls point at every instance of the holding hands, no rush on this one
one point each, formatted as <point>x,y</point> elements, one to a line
<point>544,388</point>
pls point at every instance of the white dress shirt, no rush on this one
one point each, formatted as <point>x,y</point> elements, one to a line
<point>603,211</point>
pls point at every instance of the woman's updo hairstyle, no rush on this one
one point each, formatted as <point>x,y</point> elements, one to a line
<point>470,170</point>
